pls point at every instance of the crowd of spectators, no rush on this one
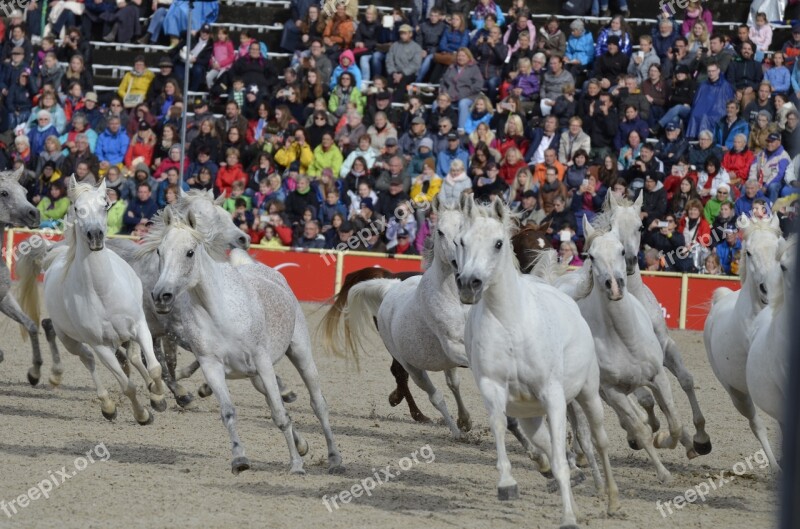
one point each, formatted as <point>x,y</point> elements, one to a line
<point>343,147</point>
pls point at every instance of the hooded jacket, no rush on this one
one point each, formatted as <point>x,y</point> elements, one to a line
<point>352,69</point>
<point>709,106</point>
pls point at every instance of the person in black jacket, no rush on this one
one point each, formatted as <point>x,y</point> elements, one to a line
<point>602,125</point>
<point>199,57</point>
<point>491,53</point>
<point>669,243</point>
<point>428,35</point>
<point>681,97</point>
<point>654,200</point>
<point>672,148</point>
<point>610,66</point>
<point>744,73</point>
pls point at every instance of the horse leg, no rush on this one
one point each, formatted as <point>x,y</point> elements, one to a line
<point>592,406</point>
<point>266,376</point>
<point>403,392</point>
<point>135,358</point>
<point>107,405</point>
<point>165,351</point>
<point>50,334</point>
<point>215,375</point>
<point>142,415</point>
<point>555,403</point>
<point>677,433</point>
<point>123,361</point>
<point>583,441</point>
<point>204,390</point>
<point>300,356</point>
<point>534,452</point>
<point>495,398</point>
<point>287,395</point>
<point>422,380</point>
<point>744,405</point>
<point>156,387</point>
<point>645,399</point>
<point>674,362</point>
<point>629,420</point>
<point>453,382</point>
<point>10,307</point>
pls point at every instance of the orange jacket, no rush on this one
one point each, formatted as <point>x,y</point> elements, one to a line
<point>341,32</point>
<point>540,172</point>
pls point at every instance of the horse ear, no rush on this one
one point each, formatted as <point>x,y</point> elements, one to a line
<point>219,200</point>
<point>101,189</point>
<point>639,200</point>
<point>588,229</point>
<point>611,201</point>
<point>499,209</point>
<point>467,204</point>
<point>17,175</point>
<point>183,194</point>
<point>71,187</point>
<point>436,204</point>
<point>544,226</point>
<point>190,218</point>
<point>167,216</point>
<point>775,222</point>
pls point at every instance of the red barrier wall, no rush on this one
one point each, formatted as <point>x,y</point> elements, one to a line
<point>698,301</point>
<point>668,292</point>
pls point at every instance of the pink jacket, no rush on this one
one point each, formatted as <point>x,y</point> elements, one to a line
<point>515,47</point>
<point>689,20</point>
<point>762,37</point>
<point>223,53</point>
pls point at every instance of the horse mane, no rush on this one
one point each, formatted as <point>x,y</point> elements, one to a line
<point>213,243</point>
<point>779,298</point>
<point>209,239</point>
<point>547,267</point>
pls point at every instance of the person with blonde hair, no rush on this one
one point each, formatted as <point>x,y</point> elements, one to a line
<point>455,183</point>
<point>481,111</point>
<point>463,82</point>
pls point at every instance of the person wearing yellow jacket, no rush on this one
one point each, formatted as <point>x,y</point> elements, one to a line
<point>427,185</point>
<point>326,156</point>
<point>136,82</point>
<point>295,149</point>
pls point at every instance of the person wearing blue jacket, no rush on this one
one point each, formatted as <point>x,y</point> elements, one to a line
<point>614,28</point>
<point>728,127</point>
<point>143,207</point>
<point>580,48</point>
<point>347,63</point>
<point>453,39</point>
<point>454,151</point>
<point>112,144</point>
<point>779,75</point>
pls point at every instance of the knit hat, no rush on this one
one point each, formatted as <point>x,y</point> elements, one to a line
<point>367,203</point>
<point>426,142</point>
<point>577,24</point>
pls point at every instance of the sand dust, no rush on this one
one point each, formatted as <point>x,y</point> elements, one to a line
<point>176,472</point>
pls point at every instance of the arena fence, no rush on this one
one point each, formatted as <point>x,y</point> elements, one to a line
<point>317,275</point>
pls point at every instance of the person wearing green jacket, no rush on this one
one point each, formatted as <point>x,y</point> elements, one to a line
<point>53,208</point>
<point>116,210</point>
<point>326,156</point>
<point>344,93</point>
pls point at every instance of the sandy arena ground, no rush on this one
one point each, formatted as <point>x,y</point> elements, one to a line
<point>176,472</point>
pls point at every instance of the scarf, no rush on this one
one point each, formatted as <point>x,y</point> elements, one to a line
<point>478,115</point>
<point>453,180</point>
<point>482,10</point>
<point>47,72</point>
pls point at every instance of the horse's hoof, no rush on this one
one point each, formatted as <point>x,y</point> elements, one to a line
<point>702,448</point>
<point>420,417</point>
<point>547,474</point>
<point>297,470</point>
<point>159,405</point>
<point>582,461</point>
<point>55,379</point>
<point>204,391</point>
<point>302,446</point>
<point>655,426</point>
<point>577,477</point>
<point>1,356</point>
<point>464,425</point>
<point>239,464</point>
<point>634,444</point>
<point>289,397</point>
<point>110,416</point>
<point>395,398</point>
<point>150,419</point>
<point>336,469</point>
<point>508,493</point>
<point>184,400</point>
<point>33,380</point>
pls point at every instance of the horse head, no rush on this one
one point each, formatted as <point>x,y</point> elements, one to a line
<point>448,224</point>
<point>212,221</point>
<point>89,213</point>
<point>482,249</point>
<point>178,257</point>
<point>626,218</point>
<point>607,259</point>
<point>761,242</point>
<point>14,206</point>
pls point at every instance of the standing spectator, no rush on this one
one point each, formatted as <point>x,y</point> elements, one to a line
<point>708,107</point>
<point>140,209</point>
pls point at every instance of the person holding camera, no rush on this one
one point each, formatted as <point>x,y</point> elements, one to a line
<point>662,235</point>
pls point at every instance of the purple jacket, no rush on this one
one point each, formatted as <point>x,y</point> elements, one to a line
<point>528,83</point>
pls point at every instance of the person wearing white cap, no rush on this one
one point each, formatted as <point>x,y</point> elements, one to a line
<point>41,131</point>
<point>580,48</point>
<point>714,205</point>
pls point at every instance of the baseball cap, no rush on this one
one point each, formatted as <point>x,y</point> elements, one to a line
<point>205,28</point>
<point>452,136</point>
<point>396,181</point>
<point>419,120</point>
<point>405,28</point>
<point>165,62</point>
<point>796,27</point>
<point>672,126</point>
<point>774,137</point>
<point>391,142</point>
<point>367,203</point>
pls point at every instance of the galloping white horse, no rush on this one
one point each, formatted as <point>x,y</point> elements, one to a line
<point>524,362</point>
<point>768,359</point>
<point>15,210</point>
<point>238,322</point>
<point>94,299</point>
<point>625,217</point>
<point>732,317</point>
<point>628,350</point>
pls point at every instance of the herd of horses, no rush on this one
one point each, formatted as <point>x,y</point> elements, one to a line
<point>493,298</point>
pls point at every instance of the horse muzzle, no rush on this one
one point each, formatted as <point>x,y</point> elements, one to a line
<point>615,289</point>
<point>469,290</point>
<point>32,218</point>
<point>242,242</point>
<point>163,302</point>
<point>96,239</point>
<point>631,265</point>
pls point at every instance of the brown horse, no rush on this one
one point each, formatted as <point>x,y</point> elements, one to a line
<point>529,242</point>
<point>330,322</point>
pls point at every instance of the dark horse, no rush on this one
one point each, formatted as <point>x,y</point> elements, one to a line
<point>528,243</point>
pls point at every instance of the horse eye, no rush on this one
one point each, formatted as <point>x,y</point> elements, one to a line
<point>439,233</point>
<point>748,254</point>
<point>784,268</point>
<point>4,194</point>
<point>498,244</point>
<point>623,252</point>
<point>158,252</point>
<point>190,253</point>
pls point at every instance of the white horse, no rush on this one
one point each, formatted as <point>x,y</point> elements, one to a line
<point>238,323</point>
<point>15,210</point>
<point>627,347</point>
<point>768,359</point>
<point>94,299</point>
<point>530,351</point>
<point>624,216</point>
<point>730,322</point>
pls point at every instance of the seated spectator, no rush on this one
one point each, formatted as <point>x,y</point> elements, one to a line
<point>52,153</point>
<point>616,28</point>
<point>135,83</point>
<point>752,192</point>
<point>763,127</point>
<point>669,242</point>
<point>568,254</point>
<point>686,193</point>
<point>783,107</point>
<point>115,210</point>
<point>708,103</point>
<point>745,73</point>
<point>172,180</point>
<point>123,21</point>
<point>730,126</point>
<point>463,82</point>
<point>769,168</point>
<point>381,130</point>
<point>711,177</point>
<point>714,205</point>
<point>53,208</point>
<point>727,249</point>
<point>455,183</point>
<point>199,58</point>
<point>339,30</point>
<point>762,102</point>
<point>142,208</point>
<point>579,54</point>
<point>699,153</point>
<point>49,102</point>
<point>229,173</point>
<point>41,132</point>
<point>778,75</point>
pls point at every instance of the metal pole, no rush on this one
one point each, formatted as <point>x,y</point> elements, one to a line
<point>186,69</point>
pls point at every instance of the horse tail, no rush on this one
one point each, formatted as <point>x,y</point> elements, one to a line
<point>29,266</point>
<point>363,303</point>
<point>332,333</point>
<point>720,293</point>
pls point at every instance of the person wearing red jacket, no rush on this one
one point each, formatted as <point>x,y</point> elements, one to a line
<point>142,146</point>
<point>511,164</point>
<point>230,172</point>
<point>737,162</point>
<point>172,161</point>
<point>694,227</point>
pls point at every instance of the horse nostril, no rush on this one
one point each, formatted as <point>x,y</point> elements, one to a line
<point>476,284</point>
<point>608,283</point>
<point>243,240</point>
<point>166,297</point>
<point>454,263</point>
<point>458,281</point>
<point>763,289</point>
